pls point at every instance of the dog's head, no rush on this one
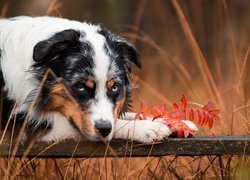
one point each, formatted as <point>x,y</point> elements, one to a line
<point>89,78</point>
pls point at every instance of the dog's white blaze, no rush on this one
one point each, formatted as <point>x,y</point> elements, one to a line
<point>101,108</point>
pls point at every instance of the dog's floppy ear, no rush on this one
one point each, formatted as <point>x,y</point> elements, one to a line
<point>122,47</point>
<point>128,52</point>
<point>64,41</point>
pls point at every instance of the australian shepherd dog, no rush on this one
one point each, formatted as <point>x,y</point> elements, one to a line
<point>69,80</point>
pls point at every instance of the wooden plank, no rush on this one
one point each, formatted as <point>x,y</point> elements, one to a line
<point>197,146</point>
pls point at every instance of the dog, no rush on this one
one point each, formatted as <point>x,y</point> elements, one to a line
<point>70,80</point>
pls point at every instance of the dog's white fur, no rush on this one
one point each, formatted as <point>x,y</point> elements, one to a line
<point>17,40</point>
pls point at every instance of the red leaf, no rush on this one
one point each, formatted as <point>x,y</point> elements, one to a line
<point>216,117</point>
<point>183,102</point>
<point>191,114</point>
<point>175,106</point>
<point>145,112</point>
<point>184,114</point>
<point>214,112</point>
<point>210,122</point>
<point>160,110</point>
<point>180,133</point>
<point>199,116</point>
<point>208,106</point>
<point>205,116</point>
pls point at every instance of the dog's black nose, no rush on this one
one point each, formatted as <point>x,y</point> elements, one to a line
<point>103,127</point>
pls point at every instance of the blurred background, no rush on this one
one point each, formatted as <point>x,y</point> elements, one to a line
<point>199,48</point>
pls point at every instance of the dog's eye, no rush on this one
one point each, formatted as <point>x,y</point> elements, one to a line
<point>115,88</point>
<point>81,88</point>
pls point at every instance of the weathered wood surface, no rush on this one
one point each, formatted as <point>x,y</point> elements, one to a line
<point>197,146</point>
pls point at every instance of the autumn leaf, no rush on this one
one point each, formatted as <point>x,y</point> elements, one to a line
<point>160,110</point>
<point>145,112</point>
<point>180,133</point>
<point>191,114</point>
<point>174,119</point>
<point>175,106</point>
<point>183,102</point>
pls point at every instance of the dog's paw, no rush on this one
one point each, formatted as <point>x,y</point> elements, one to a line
<point>149,131</point>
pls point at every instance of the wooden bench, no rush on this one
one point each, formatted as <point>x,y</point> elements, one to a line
<point>196,146</point>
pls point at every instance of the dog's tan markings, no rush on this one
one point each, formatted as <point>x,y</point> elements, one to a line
<point>57,89</point>
<point>110,83</point>
<point>63,103</point>
<point>119,105</point>
<point>89,83</point>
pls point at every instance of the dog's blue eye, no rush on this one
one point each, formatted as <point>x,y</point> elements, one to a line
<point>115,88</point>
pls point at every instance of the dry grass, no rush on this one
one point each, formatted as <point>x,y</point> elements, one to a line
<point>201,49</point>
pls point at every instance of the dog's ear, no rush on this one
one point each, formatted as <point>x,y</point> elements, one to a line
<point>128,52</point>
<point>64,41</point>
<point>122,47</point>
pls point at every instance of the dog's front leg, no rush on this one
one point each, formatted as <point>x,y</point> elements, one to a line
<point>144,131</point>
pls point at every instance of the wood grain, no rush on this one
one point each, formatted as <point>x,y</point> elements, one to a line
<point>197,146</point>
